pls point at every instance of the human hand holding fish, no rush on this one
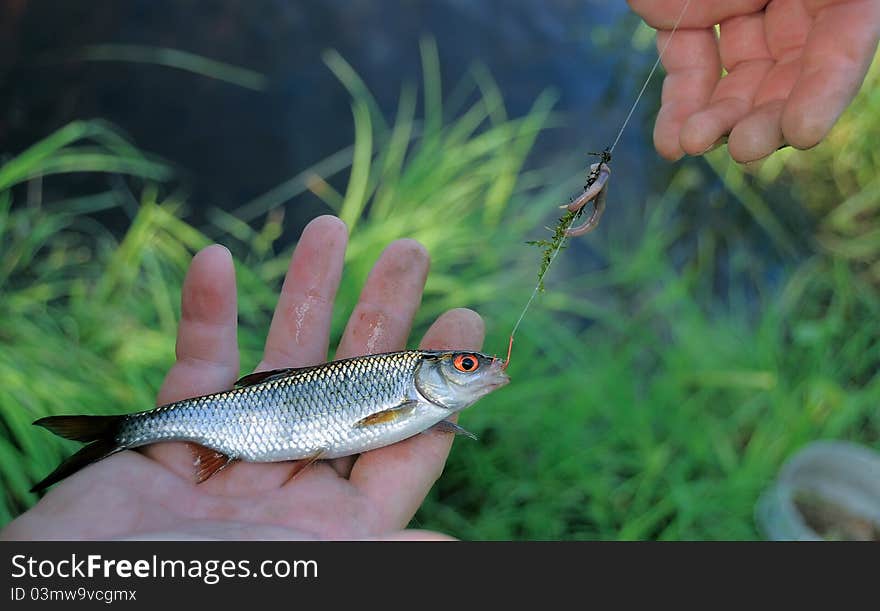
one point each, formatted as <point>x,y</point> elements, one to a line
<point>152,493</point>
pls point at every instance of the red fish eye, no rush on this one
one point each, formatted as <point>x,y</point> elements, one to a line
<point>465,362</point>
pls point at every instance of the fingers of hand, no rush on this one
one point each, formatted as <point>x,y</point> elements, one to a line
<point>298,337</point>
<point>703,130</point>
<point>207,347</point>
<point>786,27</point>
<point>743,40</point>
<point>820,50</point>
<point>693,68</point>
<point>836,57</point>
<point>382,318</point>
<point>662,14</point>
<point>758,134</point>
<point>398,477</point>
<point>300,330</point>
<point>732,100</point>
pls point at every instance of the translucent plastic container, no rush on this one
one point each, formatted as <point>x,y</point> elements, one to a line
<point>830,490</point>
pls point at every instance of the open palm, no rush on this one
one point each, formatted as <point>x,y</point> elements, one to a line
<point>151,494</point>
<point>792,67</point>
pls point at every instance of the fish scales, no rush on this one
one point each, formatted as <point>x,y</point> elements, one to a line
<point>290,418</point>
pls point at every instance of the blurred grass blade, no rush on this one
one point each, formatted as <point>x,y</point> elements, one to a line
<point>734,178</point>
<point>175,58</point>
<point>491,93</point>
<point>56,154</point>
<point>356,194</point>
<point>357,89</point>
<point>395,151</point>
<point>295,186</point>
<point>433,91</point>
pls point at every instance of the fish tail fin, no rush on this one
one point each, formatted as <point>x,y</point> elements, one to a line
<point>81,428</point>
<point>86,456</point>
<point>100,430</point>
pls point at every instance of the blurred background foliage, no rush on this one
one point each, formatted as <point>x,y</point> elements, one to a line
<point>679,355</point>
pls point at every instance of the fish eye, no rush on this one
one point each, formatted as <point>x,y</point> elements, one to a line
<point>465,362</point>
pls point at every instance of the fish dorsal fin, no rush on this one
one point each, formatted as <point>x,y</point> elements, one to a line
<point>258,377</point>
<point>386,416</point>
<point>208,462</point>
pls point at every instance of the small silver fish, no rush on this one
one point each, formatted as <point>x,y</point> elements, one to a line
<point>335,409</point>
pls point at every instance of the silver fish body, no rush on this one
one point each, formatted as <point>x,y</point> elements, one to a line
<point>335,409</point>
<point>308,410</point>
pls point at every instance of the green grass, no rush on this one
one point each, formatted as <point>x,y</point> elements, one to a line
<point>642,406</point>
<point>173,58</point>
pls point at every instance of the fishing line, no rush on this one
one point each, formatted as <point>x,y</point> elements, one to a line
<point>607,151</point>
<point>650,74</point>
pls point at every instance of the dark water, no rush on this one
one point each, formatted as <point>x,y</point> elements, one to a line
<point>233,143</point>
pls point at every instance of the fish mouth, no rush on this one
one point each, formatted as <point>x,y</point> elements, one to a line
<point>499,377</point>
<point>493,386</point>
<point>486,388</point>
<point>502,380</point>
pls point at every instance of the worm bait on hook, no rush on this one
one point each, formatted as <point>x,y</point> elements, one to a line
<point>595,191</point>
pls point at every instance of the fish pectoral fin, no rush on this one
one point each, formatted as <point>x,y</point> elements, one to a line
<point>446,426</point>
<point>386,416</point>
<point>258,377</point>
<point>208,462</point>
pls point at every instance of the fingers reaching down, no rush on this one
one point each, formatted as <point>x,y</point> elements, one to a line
<point>693,68</point>
<point>836,57</point>
<point>662,14</point>
<point>793,66</point>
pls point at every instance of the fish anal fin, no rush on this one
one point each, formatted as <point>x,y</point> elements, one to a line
<point>258,377</point>
<point>389,415</point>
<point>208,462</point>
<point>449,427</point>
